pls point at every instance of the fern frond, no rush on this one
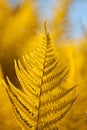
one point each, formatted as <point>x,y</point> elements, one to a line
<point>41,103</point>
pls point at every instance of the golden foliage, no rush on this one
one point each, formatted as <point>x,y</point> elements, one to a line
<point>6,115</point>
<point>60,22</point>
<point>4,11</point>
<point>18,25</point>
<point>42,102</point>
<point>74,56</point>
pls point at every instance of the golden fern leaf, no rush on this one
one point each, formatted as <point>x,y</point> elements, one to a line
<point>15,34</point>
<point>41,103</point>
<point>6,116</point>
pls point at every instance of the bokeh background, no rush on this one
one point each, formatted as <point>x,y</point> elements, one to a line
<point>76,14</point>
<point>21,26</point>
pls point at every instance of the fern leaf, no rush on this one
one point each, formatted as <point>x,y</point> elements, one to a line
<point>41,103</point>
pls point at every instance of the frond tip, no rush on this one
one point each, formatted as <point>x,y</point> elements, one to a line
<point>41,103</point>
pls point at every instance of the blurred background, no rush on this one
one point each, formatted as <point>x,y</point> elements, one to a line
<point>21,28</point>
<point>76,14</point>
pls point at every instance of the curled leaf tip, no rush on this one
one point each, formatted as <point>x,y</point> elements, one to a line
<point>45,26</point>
<point>45,23</point>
